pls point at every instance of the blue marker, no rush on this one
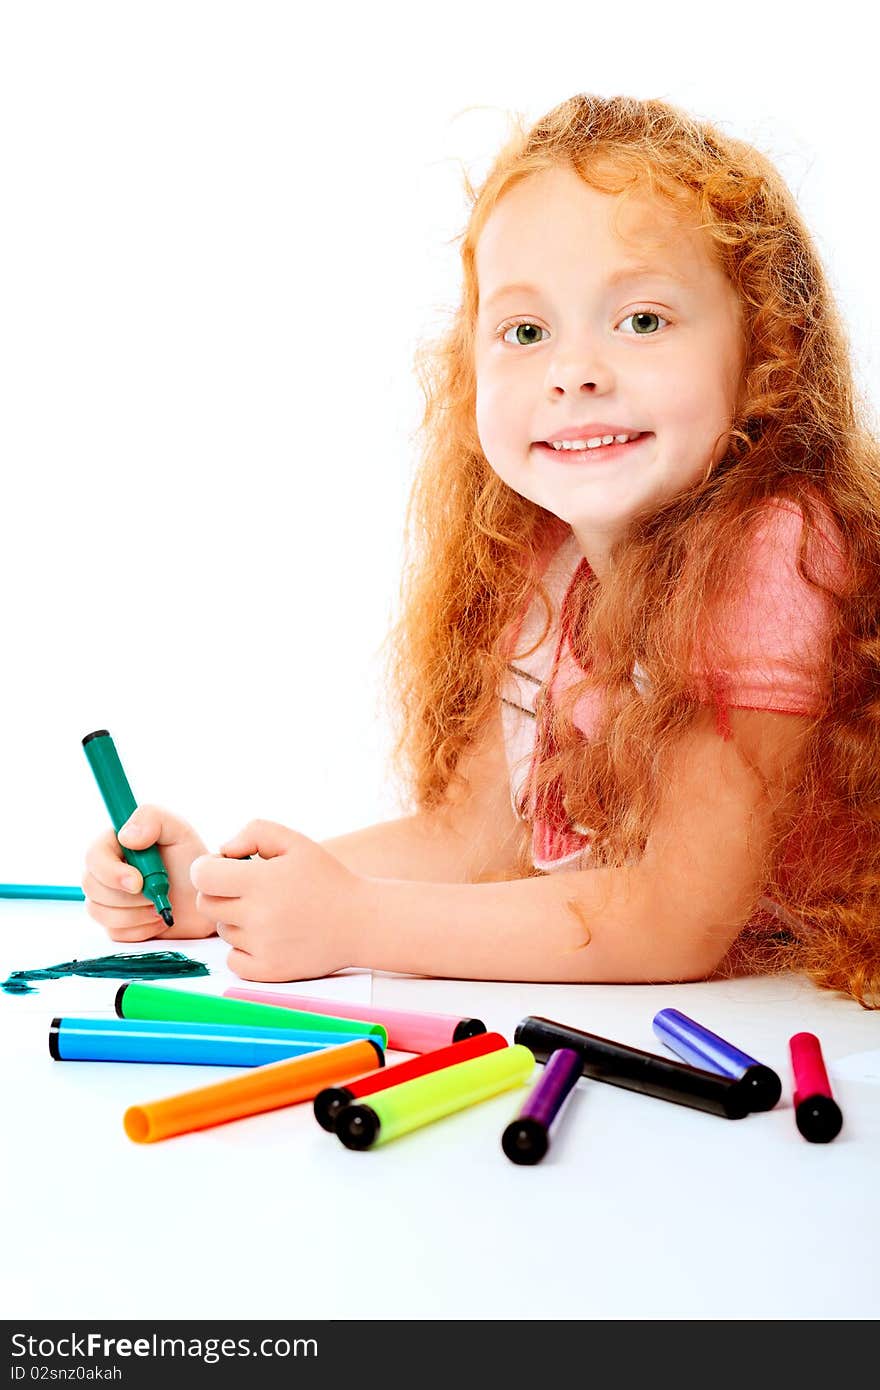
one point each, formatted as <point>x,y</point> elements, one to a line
<point>696,1045</point>
<point>164,1040</point>
<point>42,890</point>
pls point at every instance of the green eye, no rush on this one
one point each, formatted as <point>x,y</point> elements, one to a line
<point>646,325</point>
<point>524,329</point>
<point>642,314</point>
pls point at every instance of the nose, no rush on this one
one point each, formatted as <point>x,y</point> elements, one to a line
<point>577,368</point>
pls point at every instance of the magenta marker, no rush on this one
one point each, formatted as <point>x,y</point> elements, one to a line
<point>816,1113</point>
<point>527,1138</point>
<point>407,1031</point>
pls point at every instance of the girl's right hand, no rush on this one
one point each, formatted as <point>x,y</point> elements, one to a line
<point>113,886</point>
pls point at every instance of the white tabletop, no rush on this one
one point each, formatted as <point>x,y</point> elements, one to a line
<point>641,1209</point>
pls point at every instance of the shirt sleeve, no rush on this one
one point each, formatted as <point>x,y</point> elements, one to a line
<point>774,635</point>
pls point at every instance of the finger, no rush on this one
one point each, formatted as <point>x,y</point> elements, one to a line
<point>105,863</point>
<point>263,837</point>
<point>242,964</point>
<point>219,877</point>
<point>98,892</point>
<point>253,967</point>
<point>123,920</point>
<point>152,825</point>
<point>231,933</point>
<point>148,933</point>
<point>220,909</point>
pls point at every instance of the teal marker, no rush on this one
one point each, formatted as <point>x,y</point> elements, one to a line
<point>119,800</point>
<point>42,890</point>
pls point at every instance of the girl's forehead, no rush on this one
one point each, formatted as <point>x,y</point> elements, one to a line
<point>559,205</point>
<point>558,232</point>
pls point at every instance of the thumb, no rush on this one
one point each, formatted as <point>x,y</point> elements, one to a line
<point>266,838</point>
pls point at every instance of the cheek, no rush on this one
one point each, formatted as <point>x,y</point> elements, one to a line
<point>697,425</point>
<point>488,414</point>
<point>500,417</point>
<point>697,413</point>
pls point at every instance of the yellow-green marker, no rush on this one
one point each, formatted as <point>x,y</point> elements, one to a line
<point>135,1000</point>
<point>427,1098</point>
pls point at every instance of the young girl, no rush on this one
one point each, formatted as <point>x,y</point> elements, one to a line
<point>637,673</point>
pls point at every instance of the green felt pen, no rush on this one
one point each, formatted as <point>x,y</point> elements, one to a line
<point>119,800</point>
<point>135,1000</point>
<point>402,1108</point>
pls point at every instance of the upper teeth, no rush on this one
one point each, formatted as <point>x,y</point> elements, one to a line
<point>593,443</point>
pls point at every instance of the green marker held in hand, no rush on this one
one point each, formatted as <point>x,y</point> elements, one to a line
<point>119,800</point>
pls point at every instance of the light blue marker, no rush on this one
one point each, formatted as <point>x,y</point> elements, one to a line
<point>165,1040</point>
<point>42,890</point>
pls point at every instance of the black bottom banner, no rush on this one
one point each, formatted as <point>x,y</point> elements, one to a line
<point>135,1354</point>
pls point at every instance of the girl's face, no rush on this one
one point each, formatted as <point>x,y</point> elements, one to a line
<point>570,339</point>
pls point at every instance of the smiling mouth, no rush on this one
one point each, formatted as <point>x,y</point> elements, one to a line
<point>599,451</point>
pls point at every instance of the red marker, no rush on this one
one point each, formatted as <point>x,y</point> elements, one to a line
<point>330,1102</point>
<point>816,1113</point>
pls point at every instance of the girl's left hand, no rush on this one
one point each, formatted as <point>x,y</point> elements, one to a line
<point>289,915</point>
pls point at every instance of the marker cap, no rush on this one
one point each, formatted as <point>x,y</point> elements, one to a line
<point>328,1104</point>
<point>819,1119</point>
<point>357,1126</point>
<point>525,1140</point>
<point>762,1087</point>
<point>468,1028</point>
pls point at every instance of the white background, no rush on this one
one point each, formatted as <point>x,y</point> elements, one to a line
<point>224,229</point>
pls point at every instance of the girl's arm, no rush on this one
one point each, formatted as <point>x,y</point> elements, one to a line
<point>421,846</point>
<point>672,916</point>
<point>472,835</point>
<point>298,913</point>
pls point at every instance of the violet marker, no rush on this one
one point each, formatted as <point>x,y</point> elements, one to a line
<point>697,1045</point>
<point>634,1069</point>
<point>527,1138</point>
<point>816,1113</point>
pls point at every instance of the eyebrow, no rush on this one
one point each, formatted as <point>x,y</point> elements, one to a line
<point>619,276</point>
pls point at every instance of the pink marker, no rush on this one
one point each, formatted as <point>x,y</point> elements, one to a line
<point>407,1031</point>
<point>816,1113</point>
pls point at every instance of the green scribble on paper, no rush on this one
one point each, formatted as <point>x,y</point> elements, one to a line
<point>149,965</point>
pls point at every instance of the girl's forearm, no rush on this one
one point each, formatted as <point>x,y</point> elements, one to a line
<point>412,847</point>
<point>597,925</point>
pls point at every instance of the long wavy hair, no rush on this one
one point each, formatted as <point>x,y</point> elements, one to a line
<point>475,550</point>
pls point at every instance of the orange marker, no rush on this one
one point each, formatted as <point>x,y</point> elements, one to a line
<point>262,1088</point>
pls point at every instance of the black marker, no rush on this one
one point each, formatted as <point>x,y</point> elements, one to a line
<point>636,1070</point>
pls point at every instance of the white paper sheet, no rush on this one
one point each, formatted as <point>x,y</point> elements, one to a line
<point>36,935</point>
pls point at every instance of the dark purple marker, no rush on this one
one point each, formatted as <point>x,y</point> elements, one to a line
<point>695,1044</point>
<point>527,1138</point>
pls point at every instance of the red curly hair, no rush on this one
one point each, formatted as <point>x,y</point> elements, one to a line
<point>801,433</point>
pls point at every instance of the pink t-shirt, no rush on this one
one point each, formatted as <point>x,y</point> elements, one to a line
<point>779,628</point>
